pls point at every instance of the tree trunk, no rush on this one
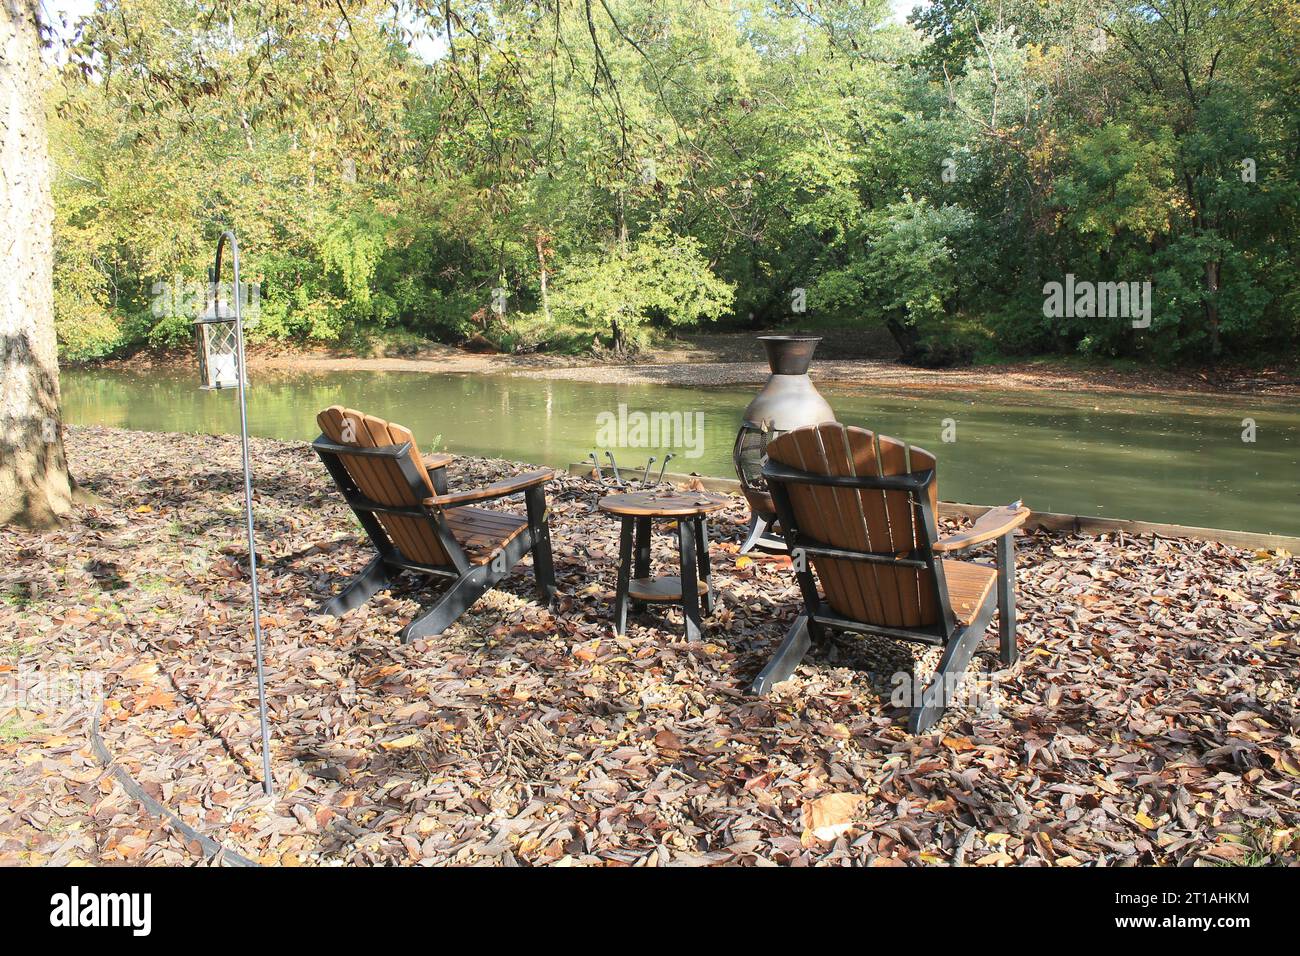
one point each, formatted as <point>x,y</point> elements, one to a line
<point>1212,307</point>
<point>620,222</point>
<point>35,489</point>
<point>541,268</point>
<point>906,337</point>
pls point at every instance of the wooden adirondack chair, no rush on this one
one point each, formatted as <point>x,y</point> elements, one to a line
<point>402,502</point>
<point>866,518</point>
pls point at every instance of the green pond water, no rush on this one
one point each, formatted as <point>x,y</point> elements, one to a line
<point>1170,458</point>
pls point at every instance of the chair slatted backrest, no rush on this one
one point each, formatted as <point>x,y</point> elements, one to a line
<point>873,520</point>
<point>382,480</point>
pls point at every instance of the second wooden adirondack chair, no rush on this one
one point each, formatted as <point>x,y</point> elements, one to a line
<point>402,502</point>
<point>866,517</point>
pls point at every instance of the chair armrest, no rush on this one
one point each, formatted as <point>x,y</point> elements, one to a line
<point>498,489</point>
<point>989,526</point>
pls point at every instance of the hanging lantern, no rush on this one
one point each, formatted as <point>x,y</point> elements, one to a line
<point>216,338</point>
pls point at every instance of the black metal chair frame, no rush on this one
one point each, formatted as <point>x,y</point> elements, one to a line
<point>469,581</point>
<point>959,641</point>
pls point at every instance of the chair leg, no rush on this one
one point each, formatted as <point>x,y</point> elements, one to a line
<point>544,569</point>
<point>540,528</point>
<point>455,601</point>
<point>957,655</point>
<point>1007,600</point>
<point>786,658</point>
<point>374,577</point>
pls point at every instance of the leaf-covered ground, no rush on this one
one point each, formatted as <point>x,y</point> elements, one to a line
<point>1151,719</point>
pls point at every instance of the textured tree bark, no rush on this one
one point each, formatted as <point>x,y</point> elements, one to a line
<point>541,268</point>
<point>35,489</point>
<point>1212,308</point>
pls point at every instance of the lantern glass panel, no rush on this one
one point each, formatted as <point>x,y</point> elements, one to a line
<point>218,354</point>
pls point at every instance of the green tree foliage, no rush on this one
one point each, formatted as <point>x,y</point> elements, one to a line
<point>660,278</point>
<point>625,168</point>
<point>909,276</point>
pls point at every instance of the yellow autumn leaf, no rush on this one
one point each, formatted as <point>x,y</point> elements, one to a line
<point>401,743</point>
<point>1144,821</point>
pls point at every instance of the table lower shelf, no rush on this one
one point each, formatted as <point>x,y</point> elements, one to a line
<point>667,587</point>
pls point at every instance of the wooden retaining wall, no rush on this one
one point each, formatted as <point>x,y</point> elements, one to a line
<point>1047,520</point>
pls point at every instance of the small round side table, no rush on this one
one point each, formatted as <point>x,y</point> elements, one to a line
<point>637,509</point>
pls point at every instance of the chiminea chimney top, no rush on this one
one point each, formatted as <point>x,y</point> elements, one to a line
<point>789,354</point>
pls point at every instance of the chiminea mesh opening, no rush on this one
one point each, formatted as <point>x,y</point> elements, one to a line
<point>749,454</point>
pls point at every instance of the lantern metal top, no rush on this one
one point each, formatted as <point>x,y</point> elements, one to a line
<point>216,312</point>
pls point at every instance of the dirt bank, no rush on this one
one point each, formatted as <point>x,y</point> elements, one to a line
<point>736,359</point>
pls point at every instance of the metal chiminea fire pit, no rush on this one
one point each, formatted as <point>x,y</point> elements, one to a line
<point>788,401</point>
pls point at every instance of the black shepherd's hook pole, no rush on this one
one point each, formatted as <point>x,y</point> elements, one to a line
<point>248,494</point>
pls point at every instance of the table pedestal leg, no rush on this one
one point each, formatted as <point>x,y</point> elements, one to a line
<point>702,556</point>
<point>624,575</point>
<point>641,556</point>
<point>686,539</point>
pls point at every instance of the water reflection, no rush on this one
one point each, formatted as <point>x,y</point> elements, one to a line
<point>1158,458</point>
